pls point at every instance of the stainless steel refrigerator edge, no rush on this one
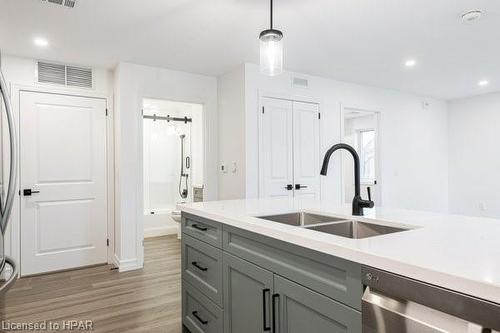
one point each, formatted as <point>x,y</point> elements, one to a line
<point>7,198</point>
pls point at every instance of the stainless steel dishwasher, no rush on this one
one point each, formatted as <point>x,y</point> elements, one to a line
<point>396,304</point>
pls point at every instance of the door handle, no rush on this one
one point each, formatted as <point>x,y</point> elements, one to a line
<point>195,314</point>
<point>298,186</point>
<point>27,192</point>
<point>195,264</point>
<point>264,308</point>
<point>275,296</point>
<point>289,187</point>
<point>199,228</point>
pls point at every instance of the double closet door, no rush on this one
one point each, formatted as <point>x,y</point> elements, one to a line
<point>289,149</point>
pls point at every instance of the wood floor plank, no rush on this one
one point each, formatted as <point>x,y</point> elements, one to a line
<point>148,300</point>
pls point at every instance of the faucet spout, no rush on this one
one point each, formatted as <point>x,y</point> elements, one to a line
<point>358,203</point>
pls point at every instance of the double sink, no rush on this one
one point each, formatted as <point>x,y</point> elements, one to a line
<point>334,225</point>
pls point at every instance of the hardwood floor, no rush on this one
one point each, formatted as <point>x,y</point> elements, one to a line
<point>148,300</point>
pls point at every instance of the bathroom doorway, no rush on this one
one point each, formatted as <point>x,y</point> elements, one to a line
<point>173,162</point>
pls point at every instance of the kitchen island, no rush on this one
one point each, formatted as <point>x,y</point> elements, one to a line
<point>455,252</point>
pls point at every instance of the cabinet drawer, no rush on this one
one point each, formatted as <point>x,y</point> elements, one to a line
<point>202,267</point>
<point>199,314</point>
<point>203,229</point>
<point>336,278</point>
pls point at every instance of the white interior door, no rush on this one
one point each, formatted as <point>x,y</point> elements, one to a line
<point>306,150</point>
<point>63,156</point>
<point>276,148</point>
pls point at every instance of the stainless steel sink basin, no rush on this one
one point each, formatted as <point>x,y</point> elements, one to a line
<point>300,218</point>
<point>356,229</point>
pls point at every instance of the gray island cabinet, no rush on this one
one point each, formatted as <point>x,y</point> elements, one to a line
<point>236,281</point>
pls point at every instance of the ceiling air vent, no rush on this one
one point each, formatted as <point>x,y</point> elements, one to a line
<point>71,76</point>
<point>298,82</point>
<point>66,3</point>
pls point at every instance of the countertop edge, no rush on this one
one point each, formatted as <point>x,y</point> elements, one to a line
<point>460,284</point>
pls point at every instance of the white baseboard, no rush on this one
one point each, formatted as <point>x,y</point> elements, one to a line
<point>160,231</point>
<point>126,265</point>
<point>116,261</point>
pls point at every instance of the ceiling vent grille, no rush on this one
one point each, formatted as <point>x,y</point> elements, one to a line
<point>65,3</point>
<point>78,77</point>
<point>71,76</point>
<point>298,82</point>
<point>51,73</point>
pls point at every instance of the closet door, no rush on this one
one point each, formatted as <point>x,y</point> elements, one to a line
<point>276,148</point>
<point>306,157</point>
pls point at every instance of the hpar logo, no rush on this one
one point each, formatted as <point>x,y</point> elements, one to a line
<point>77,325</point>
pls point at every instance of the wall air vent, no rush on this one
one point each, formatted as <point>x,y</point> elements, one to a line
<point>65,3</point>
<point>71,76</point>
<point>78,77</point>
<point>51,73</point>
<point>298,82</point>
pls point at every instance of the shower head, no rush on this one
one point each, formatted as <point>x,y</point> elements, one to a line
<point>183,136</point>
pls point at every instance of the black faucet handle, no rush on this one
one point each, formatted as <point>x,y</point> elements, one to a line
<point>368,203</point>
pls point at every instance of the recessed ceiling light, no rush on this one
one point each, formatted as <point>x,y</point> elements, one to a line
<point>472,16</point>
<point>41,42</point>
<point>483,83</point>
<point>410,63</point>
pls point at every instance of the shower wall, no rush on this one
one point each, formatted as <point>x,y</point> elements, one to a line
<point>162,161</point>
<point>162,164</point>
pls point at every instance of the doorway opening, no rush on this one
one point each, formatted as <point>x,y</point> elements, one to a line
<point>361,131</point>
<point>173,162</point>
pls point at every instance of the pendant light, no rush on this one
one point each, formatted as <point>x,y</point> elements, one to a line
<point>271,50</point>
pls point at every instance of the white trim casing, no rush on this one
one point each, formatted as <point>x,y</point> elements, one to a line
<point>125,265</point>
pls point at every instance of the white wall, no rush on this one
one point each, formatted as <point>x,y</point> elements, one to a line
<point>474,165</point>
<point>413,139</point>
<point>132,84</point>
<point>231,89</point>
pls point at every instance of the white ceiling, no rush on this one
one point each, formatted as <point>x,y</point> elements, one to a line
<point>362,41</point>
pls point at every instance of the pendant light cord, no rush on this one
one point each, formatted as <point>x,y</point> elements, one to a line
<point>271,14</point>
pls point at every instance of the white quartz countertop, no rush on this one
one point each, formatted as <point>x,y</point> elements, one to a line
<point>456,252</point>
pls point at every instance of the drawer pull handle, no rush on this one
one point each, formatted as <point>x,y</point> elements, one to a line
<point>195,264</point>
<point>199,228</point>
<point>275,296</point>
<point>264,308</point>
<point>195,314</point>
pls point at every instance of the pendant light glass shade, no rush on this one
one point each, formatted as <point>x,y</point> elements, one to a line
<point>271,52</point>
